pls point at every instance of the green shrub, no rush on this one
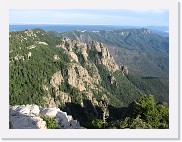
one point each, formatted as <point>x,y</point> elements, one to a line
<point>157,115</point>
<point>134,123</point>
<point>10,125</point>
<point>94,124</point>
<point>51,123</point>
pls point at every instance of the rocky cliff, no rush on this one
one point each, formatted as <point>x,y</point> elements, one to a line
<point>75,48</point>
<point>143,51</point>
<point>82,73</point>
<point>56,72</point>
<point>32,117</point>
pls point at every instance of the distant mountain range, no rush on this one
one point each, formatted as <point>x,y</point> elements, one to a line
<point>161,30</point>
<point>143,51</point>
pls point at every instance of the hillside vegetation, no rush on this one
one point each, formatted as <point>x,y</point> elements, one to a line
<point>143,51</point>
<point>84,80</point>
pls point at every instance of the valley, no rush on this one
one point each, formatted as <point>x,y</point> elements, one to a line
<point>104,79</point>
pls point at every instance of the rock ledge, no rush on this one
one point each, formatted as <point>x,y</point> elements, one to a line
<point>29,117</point>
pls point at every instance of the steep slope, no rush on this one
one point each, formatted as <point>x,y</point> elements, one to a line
<point>143,51</point>
<point>52,71</point>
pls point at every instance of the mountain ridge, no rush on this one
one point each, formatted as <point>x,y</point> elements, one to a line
<point>54,71</point>
<point>161,30</point>
<point>139,49</point>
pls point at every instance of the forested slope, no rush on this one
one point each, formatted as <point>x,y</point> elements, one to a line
<point>79,78</point>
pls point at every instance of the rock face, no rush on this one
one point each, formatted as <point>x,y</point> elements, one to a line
<point>104,56</point>
<point>112,79</point>
<point>73,56</point>
<point>82,73</point>
<point>62,97</point>
<point>29,117</point>
<point>26,117</point>
<point>56,80</point>
<point>78,77</point>
<point>124,70</point>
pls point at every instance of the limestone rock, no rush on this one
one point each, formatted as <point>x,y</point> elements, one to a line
<point>68,45</point>
<point>124,70</point>
<point>45,88</point>
<point>51,112</point>
<point>56,57</point>
<point>112,79</point>
<point>73,56</point>
<point>104,56</point>
<point>26,117</point>
<point>74,124</point>
<point>29,54</point>
<point>107,60</point>
<point>27,122</point>
<point>29,117</point>
<point>19,57</point>
<point>43,43</point>
<point>25,110</point>
<point>94,45</point>
<point>49,101</point>
<point>78,77</point>
<point>56,80</point>
<point>62,98</point>
<point>82,48</point>
<point>84,54</point>
<point>34,110</point>
<point>62,119</point>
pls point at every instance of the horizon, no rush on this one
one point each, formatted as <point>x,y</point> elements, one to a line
<point>59,24</point>
<point>73,27</point>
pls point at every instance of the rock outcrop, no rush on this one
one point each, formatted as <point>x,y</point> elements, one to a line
<point>112,79</point>
<point>56,57</point>
<point>82,73</point>
<point>55,83</point>
<point>73,56</point>
<point>81,70</point>
<point>31,117</point>
<point>104,56</point>
<point>56,80</point>
<point>124,70</point>
<point>79,77</point>
<point>68,45</point>
<point>76,76</point>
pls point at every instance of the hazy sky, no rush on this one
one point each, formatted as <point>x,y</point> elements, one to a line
<point>122,17</point>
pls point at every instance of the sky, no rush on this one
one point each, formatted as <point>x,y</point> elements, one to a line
<point>121,17</point>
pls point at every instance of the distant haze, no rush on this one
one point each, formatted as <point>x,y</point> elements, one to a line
<point>161,30</point>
